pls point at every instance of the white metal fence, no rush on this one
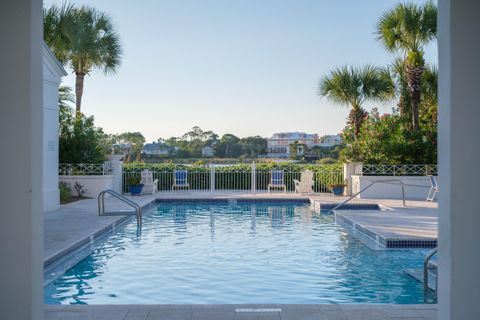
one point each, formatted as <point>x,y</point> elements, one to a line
<point>84,169</point>
<point>396,170</point>
<point>248,177</point>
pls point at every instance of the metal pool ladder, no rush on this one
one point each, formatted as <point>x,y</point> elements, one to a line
<point>137,209</point>
<point>389,181</point>
<point>427,266</point>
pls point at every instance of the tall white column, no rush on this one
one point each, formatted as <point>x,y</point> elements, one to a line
<point>21,294</point>
<point>459,151</point>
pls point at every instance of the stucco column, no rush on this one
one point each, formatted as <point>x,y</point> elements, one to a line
<point>117,172</point>
<point>348,172</point>
<point>21,226</point>
<point>459,151</point>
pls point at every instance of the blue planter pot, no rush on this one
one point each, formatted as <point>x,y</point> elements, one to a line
<point>136,190</point>
<point>338,191</point>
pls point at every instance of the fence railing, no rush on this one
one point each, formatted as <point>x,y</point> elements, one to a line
<point>396,170</point>
<point>87,169</point>
<point>248,177</point>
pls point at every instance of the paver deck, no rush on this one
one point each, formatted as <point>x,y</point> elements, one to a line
<point>74,222</point>
<point>400,223</point>
<point>245,312</point>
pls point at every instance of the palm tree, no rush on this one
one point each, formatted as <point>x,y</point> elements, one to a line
<point>407,28</point>
<point>430,94</point>
<point>65,98</point>
<point>84,38</point>
<point>352,87</point>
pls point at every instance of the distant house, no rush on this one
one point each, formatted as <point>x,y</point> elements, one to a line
<point>278,145</point>
<point>156,148</point>
<point>208,151</point>
<point>329,141</point>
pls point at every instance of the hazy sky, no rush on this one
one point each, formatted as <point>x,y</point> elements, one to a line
<point>245,67</point>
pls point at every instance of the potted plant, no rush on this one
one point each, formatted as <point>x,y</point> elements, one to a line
<point>338,188</point>
<point>135,186</point>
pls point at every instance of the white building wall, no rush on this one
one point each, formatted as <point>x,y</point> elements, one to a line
<point>52,74</point>
<point>459,151</point>
<point>416,188</point>
<point>21,231</point>
<point>92,185</point>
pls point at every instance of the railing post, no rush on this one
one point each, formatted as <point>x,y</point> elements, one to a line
<point>117,171</point>
<point>348,172</point>
<point>254,178</point>
<point>212,178</point>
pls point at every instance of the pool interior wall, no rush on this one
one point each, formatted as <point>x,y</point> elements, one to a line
<point>218,251</point>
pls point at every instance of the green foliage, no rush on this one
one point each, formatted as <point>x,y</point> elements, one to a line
<point>134,181</point>
<point>65,191</point>
<point>385,139</point>
<point>407,28</point>
<point>253,146</point>
<point>191,143</point>
<point>327,160</point>
<point>83,38</point>
<point>80,141</point>
<point>136,141</point>
<point>350,86</point>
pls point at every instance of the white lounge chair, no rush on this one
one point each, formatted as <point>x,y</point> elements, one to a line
<point>149,185</point>
<point>305,185</point>
<point>277,181</point>
<point>432,193</point>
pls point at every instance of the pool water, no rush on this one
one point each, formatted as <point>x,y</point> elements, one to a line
<point>200,252</point>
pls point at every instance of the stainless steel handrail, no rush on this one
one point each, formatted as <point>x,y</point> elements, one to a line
<point>136,206</point>
<point>426,268</point>
<point>367,187</point>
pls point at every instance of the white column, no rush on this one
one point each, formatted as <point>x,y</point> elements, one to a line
<point>348,172</point>
<point>21,225</point>
<point>117,172</point>
<point>459,151</point>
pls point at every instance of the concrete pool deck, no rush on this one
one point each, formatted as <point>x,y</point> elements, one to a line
<point>239,312</point>
<point>410,227</point>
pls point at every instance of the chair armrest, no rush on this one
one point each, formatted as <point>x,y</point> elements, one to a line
<point>155,181</point>
<point>297,182</point>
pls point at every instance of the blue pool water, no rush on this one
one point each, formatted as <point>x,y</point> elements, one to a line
<point>200,252</point>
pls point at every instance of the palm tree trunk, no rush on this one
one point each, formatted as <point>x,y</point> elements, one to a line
<point>356,118</point>
<point>414,78</point>
<point>79,89</point>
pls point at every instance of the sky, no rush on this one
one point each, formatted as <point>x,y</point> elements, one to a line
<point>246,67</point>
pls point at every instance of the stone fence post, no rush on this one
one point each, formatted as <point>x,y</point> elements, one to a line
<point>117,172</point>
<point>348,172</point>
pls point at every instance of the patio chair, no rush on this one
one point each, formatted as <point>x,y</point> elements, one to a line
<point>277,181</point>
<point>305,185</point>
<point>149,185</point>
<point>180,179</point>
<point>432,193</point>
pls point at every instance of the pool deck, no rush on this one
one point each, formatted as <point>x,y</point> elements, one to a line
<point>78,223</point>
<point>242,312</point>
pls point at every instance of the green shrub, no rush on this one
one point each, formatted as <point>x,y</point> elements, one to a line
<point>64,191</point>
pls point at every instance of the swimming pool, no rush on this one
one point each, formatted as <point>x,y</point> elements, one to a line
<point>248,252</point>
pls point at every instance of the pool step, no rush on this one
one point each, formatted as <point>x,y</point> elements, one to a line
<point>417,274</point>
